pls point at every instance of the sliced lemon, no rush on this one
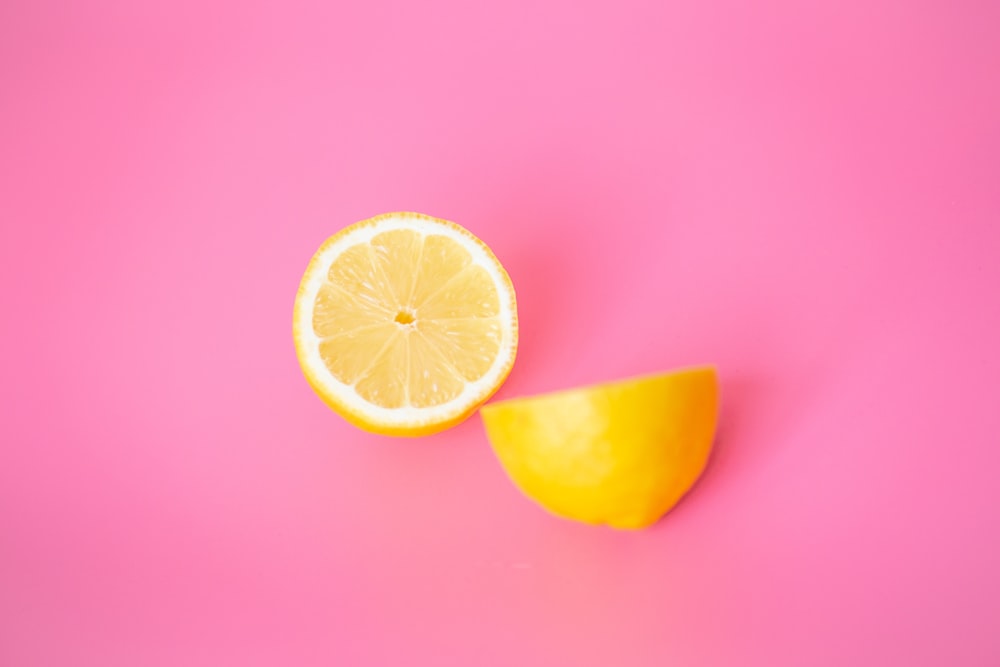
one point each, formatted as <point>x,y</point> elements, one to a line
<point>620,454</point>
<point>405,323</point>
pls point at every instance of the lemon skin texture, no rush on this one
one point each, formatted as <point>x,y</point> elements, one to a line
<point>620,454</point>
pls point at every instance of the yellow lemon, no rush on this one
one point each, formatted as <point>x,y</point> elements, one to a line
<point>620,454</point>
<point>405,323</point>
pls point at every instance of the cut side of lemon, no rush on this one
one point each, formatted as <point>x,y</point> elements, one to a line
<point>620,454</point>
<point>404,324</point>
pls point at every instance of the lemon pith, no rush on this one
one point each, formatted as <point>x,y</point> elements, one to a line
<point>621,454</point>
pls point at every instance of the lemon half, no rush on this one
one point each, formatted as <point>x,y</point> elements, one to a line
<point>404,323</point>
<point>621,454</point>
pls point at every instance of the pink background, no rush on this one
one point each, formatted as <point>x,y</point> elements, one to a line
<point>806,194</point>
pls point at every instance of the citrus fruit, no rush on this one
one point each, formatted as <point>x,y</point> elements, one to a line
<point>405,323</point>
<point>620,454</point>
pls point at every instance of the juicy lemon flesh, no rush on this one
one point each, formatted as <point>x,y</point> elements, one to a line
<point>620,454</point>
<point>407,319</point>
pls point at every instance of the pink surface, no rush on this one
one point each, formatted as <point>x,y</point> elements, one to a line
<point>806,194</point>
